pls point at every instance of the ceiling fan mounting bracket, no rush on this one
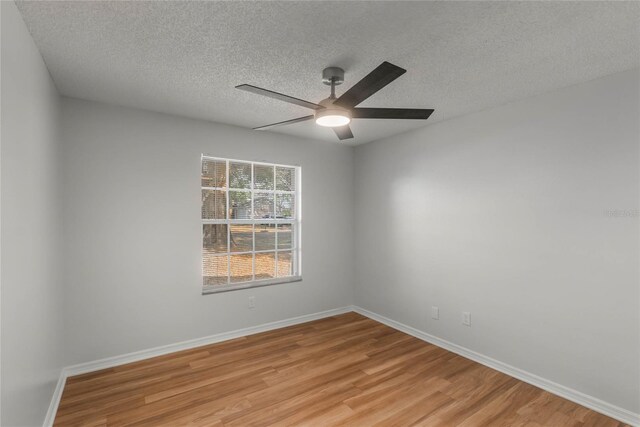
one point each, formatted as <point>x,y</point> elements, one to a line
<point>333,74</point>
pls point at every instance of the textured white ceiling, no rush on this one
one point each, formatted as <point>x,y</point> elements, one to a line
<point>186,57</point>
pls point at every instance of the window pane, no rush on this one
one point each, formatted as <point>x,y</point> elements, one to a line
<point>214,173</point>
<point>240,205</point>
<point>265,237</point>
<point>265,265</point>
<point>240,175</point>
<point>285,179</point>
<point>285,206</point>
<point>243,197</point>
<point>214,204</point>
<point>284,236</point>
<point>263,205</point>
<point>241,237</point>
<point>214,269</point>
<point>285,266</point>
<point>214,238</point>
<point>263,177</point>
<point>241,268</point>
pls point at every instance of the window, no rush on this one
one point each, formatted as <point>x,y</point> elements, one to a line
<point>250,224</point>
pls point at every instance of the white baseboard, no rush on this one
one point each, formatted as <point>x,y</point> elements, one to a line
<point>55,400</point>
<point>550,386</point>
<point>580,398</point>
<point>110,362</point>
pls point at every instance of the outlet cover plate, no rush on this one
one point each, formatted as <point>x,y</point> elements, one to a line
<point>466,318</point>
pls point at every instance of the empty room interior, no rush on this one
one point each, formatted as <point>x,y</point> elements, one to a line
<point>320,213</point>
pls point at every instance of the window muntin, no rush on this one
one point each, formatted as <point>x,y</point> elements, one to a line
<point>250,227</point>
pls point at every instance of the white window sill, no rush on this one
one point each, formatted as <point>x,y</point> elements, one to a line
<point>246,285</point>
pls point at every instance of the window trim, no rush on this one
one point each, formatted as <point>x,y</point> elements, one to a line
<point>296,223</point>
<point>206,290</point>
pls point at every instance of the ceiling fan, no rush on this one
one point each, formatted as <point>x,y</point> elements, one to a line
<point>337,113</point>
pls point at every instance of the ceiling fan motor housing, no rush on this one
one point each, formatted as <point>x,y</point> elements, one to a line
<point>332,115</point>
<point>335,74</point>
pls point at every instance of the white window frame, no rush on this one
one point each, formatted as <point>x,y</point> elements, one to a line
<point>296,228</point>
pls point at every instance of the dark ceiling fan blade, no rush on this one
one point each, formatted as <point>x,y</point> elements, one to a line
<point>391,113</point>
<point>384,74</point>
<point>279,96</point>
<point>343,132</point>
<point>286,122</point>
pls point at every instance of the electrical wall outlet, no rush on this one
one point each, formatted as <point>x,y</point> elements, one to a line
<point>466,318</point>
<point>435,312</point>
<point>252,302</point>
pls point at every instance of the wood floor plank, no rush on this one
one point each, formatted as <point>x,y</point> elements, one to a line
<point>341,370</point>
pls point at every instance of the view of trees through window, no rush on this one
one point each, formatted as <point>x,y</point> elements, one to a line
<point>249,222</point>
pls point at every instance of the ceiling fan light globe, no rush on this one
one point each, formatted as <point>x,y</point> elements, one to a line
<point>333,121</point>
<point>333,118</point>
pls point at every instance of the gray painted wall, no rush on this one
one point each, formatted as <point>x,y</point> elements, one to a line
<point>505,214</point>
<point>31,291</point>
<point>133,234</point>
